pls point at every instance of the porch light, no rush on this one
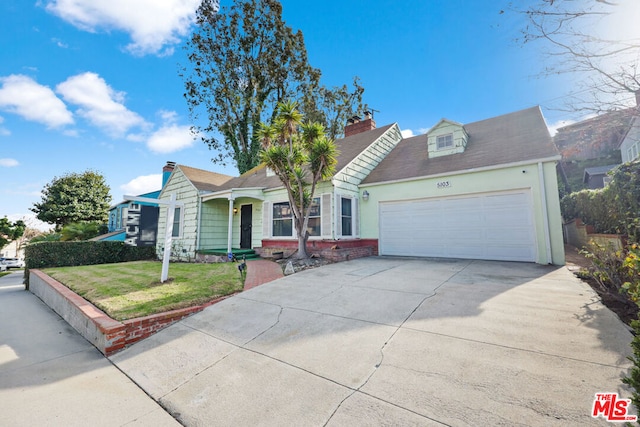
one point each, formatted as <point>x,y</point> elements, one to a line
<point>365,195</point>
<point>235,211</point>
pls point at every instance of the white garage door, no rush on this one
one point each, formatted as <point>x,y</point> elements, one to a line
<point>492,226</point>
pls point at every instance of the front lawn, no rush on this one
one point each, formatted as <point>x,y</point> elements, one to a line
<point>133,289</point>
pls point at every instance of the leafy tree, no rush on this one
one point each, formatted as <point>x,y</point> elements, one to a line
<point>10,231</point>
<point>244,60</point>
<point>74,198</point>
<point>300,155</point>
<point>577,39</point>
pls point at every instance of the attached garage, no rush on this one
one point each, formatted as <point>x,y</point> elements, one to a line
<point>491,226</point>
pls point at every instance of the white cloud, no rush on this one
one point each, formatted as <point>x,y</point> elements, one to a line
<point>553,128</point>
<point>3,131</point>
<point>142,184</point>
<point>170,138</point>
<point>154,25</point>
<point>60,43</point>
<point>407,133</point>
<point>99,103</point>
<point>23,96</point>
<point>9,163</point>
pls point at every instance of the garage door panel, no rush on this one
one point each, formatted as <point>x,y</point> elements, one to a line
<point>487,226</point>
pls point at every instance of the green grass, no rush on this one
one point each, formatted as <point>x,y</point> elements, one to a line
<point>133,289</point>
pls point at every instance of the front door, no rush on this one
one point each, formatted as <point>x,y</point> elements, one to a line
<point>245,226</point>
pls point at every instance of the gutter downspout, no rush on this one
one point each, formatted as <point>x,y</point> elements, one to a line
<point>199,230</point>
<point>545,216</point>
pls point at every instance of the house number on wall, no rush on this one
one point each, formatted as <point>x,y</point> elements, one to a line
<point>444,184</point>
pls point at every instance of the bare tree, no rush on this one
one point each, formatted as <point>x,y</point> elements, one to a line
<point>590,40</point>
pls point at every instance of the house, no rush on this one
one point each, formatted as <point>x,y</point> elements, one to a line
<point>252,210</point>
<point>591,143</point>
<point>484,190</point>
<point>630,144</point>
<point>136,222</point>
<point>597,177</point>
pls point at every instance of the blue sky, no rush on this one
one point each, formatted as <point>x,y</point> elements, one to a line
<point>93,84</point>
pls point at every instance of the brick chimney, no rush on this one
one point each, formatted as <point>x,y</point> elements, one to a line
<point>356,125</point>
<point>166,172</point>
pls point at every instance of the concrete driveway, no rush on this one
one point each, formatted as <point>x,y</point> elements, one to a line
<point>388,341</point>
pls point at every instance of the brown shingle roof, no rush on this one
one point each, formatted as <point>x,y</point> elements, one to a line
<point>204,180</point>
<point>510,138</point>
<point>348,149</point>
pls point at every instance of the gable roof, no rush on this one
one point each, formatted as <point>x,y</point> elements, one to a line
<point>204,180</point>
<point>444,120</point>
<point>510,138</point>
<point>596,170</point>
<point>348,148</point>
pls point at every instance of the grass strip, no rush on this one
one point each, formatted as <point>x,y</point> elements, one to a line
<point>133,289</point>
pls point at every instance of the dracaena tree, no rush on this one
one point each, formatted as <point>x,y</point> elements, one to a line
<point>302,156</point>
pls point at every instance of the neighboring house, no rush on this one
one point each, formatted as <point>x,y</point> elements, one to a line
<point>593,138</point>
<point>630,144</point>
<point>13,250</point>
<point>485,190</point>
<point>590,143</point>
<point>136,222</point>
<point>597,177</point>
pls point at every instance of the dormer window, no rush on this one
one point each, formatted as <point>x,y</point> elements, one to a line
<point>444,141</point>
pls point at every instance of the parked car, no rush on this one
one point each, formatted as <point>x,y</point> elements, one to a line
<point>3,267</point>
<point>13,263</point>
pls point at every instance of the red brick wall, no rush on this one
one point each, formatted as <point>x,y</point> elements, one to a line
<point>359,127</point>
<point>336,250</point>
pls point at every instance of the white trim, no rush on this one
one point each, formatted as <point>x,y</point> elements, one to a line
<point>449,140</point>
<point>353,198</point>
<point>464,171</point>
<point>180,223</point>
<point>545,213</point>
<point>234,193</point>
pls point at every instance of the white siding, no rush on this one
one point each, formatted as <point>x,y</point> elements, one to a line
<point>183,248</point>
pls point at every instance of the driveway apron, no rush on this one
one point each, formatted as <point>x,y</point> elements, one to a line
<point>392,341</point>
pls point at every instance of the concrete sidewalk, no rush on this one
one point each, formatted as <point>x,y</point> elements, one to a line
<point>392,341</point>
<point>51,376</point>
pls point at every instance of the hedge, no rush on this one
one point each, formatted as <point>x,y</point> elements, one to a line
<point>613,209</point>
<point>63,254</point>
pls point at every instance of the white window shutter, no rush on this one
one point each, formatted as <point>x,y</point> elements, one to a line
<point>266,219</point>
<point>338,212</point>
<point>355,217</point>
<point>326,216</point>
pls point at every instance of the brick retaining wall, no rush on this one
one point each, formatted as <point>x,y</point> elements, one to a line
<point>335,250</point>
<point>578,234</point>
<point>106,334</point>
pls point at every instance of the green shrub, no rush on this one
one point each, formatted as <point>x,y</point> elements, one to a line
<point>613,209</point>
